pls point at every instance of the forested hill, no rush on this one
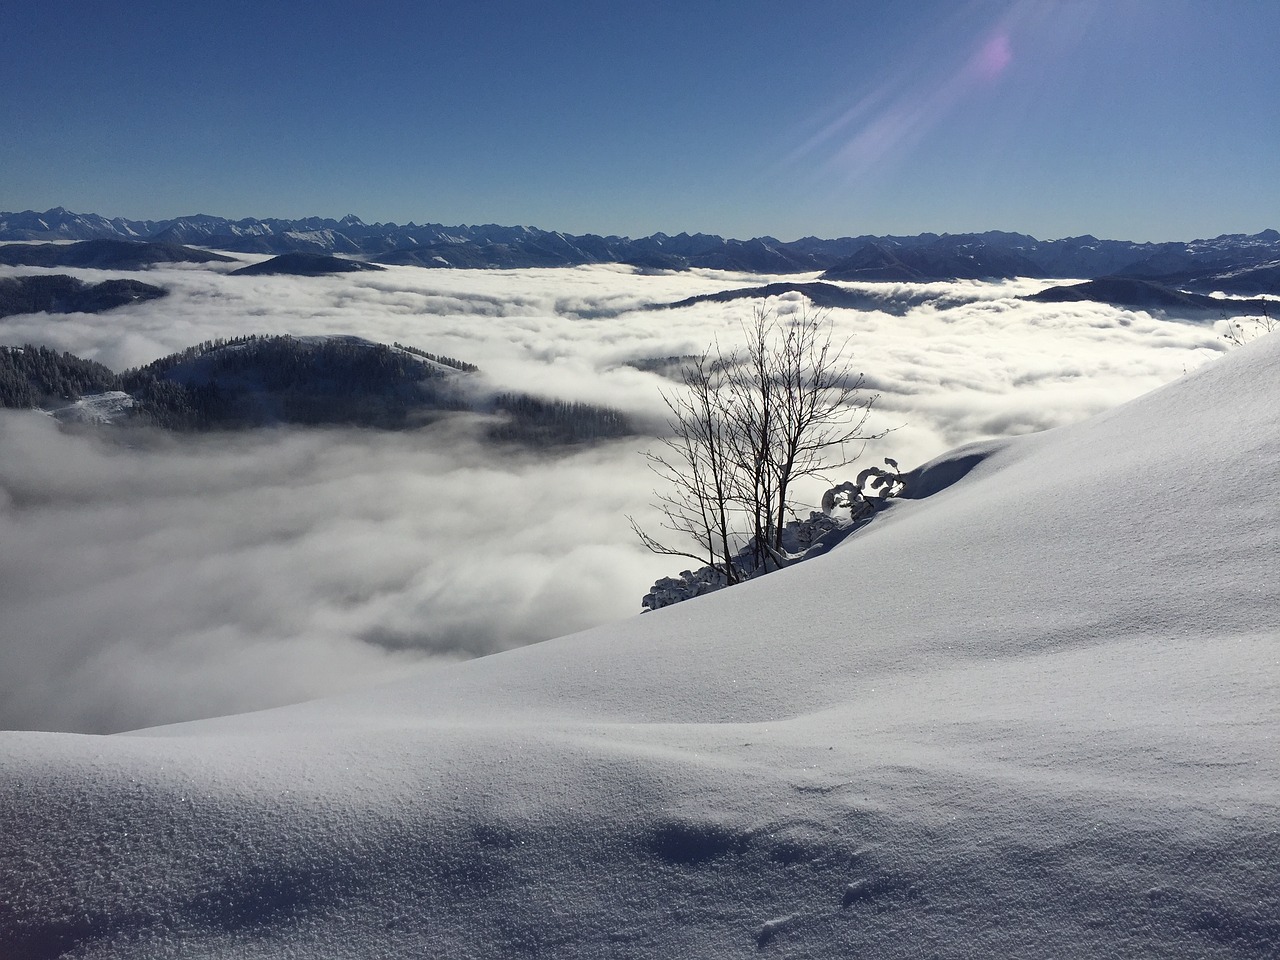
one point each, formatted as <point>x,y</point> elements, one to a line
<point>259,381</point>
<point>104,254</point>
<point>34,377</point>
<point>58,293</point>
<point>305,265</point>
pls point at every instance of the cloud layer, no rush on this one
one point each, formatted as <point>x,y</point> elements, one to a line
<point>174,578</point>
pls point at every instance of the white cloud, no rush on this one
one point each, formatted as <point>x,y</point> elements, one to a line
<point>182,577</point>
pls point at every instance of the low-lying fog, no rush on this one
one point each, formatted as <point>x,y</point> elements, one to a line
<point>179,577</point>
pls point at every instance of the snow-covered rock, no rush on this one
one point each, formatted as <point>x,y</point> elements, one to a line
<point>801,539</point>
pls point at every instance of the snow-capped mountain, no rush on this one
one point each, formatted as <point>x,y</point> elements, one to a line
<point>993,254</point>
<point>61,224</point>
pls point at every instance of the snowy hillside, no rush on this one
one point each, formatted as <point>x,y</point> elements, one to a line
<point>1033,714</point>
<point>110,407</point>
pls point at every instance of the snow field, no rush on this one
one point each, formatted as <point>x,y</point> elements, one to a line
<point>1031,715</point>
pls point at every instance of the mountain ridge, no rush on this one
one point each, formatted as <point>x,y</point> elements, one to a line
<point>993,254</point>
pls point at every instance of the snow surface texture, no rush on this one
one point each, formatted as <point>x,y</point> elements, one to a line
<point>110,407</point>
<point>1031,715</point>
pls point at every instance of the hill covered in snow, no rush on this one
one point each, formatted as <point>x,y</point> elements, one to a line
<point>1032,714</point>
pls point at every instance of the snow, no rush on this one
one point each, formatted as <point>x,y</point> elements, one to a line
<point>1033,714</point>
<point>112,406</point>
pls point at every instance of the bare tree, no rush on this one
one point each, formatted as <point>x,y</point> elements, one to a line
<point>744,427</point>
<point>699,468</point>
<point>1241,330</point>
<point>820,417</point>
<point>752,398</point>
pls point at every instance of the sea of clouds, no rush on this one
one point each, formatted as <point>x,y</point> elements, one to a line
<point>172,577</point>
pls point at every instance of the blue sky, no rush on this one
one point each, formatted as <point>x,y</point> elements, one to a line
<point>1134,119</point>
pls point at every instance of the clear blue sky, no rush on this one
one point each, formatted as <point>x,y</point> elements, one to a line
<point>1133,119</point>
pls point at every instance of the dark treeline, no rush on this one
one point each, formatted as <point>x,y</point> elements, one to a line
<point>539,422</point>
<point>664,366</point>
<point>447,361</point>
<point>281,362</point>
<point>254,381</point>
<point>57,293</point>
<point>257,380</point>
<point>31,376</point>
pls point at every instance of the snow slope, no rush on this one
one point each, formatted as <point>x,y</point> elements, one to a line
<point>1034,714</point>
<point>109,407</point>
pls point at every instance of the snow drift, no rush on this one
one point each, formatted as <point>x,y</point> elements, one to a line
<point>1033,714</point>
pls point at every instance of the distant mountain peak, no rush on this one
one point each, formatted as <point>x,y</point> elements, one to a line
<point>995,254</point>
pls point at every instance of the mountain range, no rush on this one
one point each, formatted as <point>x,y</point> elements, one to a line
<point>1232,263</point>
